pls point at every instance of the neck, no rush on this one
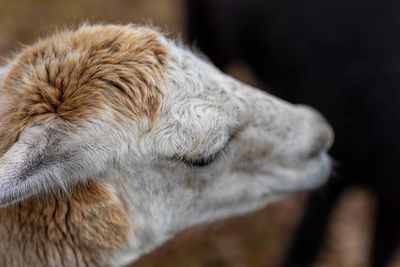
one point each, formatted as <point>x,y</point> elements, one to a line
<point>85,228</point>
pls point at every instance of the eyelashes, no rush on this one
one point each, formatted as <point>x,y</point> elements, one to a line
<point>202,161</point>
<point>208,160</point>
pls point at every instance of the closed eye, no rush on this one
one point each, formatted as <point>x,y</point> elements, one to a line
<point>204,161</point>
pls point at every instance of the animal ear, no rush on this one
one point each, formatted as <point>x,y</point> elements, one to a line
<point>45,160</point>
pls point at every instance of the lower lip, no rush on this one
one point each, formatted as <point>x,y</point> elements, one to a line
<point>323,172</point>
<point>316,178</point>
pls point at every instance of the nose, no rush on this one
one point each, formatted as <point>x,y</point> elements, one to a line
<point>322,135</point>
<point>322,142</point>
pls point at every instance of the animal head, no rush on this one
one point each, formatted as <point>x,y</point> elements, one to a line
<point>177,141</point>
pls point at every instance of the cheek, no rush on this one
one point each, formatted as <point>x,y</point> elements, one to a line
<point>195,184</point>
<point>253,146</point>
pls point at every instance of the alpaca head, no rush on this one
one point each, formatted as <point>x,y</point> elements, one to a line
<point>175,140</point>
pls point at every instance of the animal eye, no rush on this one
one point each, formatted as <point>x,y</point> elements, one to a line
<point>202,161</point>
<point>207,160</point>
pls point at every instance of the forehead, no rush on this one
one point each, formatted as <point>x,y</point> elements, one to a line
<point>79,74</point>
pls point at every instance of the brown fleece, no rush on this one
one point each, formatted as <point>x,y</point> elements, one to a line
<point>74,76</point>
<point>77,230</point>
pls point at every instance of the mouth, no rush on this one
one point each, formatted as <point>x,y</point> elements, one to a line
<point>320,174</point>
<point>310,176</point>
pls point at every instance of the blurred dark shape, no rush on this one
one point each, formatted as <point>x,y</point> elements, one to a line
<point>342,57</point>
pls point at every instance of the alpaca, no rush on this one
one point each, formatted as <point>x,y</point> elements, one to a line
<point>114,138</point>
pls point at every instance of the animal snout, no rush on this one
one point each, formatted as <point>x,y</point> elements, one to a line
<point>322,142</point>
<point>321,133</point>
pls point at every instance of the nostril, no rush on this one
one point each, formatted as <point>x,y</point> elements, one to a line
<point>322,142</point>
<point>320,136</point>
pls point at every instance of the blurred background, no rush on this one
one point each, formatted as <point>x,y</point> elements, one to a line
<point>340,56</point>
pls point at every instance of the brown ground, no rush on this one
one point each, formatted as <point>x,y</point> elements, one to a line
<point>254,240</point>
